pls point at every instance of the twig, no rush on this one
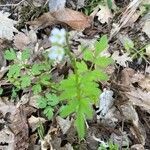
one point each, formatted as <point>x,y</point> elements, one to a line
<point>14,5</point>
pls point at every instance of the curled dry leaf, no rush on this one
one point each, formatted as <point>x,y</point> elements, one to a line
<point>74,19</point>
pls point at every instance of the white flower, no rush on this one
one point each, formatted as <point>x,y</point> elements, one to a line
<point>57,39</point>
<point>58,36</point>
<point>56,53</point>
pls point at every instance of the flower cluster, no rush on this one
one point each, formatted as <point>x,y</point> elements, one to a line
<point>58,40</point>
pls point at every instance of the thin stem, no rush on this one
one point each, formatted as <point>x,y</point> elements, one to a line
<point>73,61</point>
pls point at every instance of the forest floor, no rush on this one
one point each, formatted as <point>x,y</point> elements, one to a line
<point>28,24</point>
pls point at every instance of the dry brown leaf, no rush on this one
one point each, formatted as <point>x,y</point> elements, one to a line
<point>74,19</point>
<point>21,41</point>
<point>43,21</point>
<point>64,124</point>
<point>26,39</point>
<point>139,98</point>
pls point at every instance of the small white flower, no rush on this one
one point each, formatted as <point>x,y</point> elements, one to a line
<point>56,53</point>
<point>57,39</point>
<point>58,36</point>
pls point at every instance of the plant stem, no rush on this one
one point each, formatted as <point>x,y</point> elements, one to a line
<point>73,61</point>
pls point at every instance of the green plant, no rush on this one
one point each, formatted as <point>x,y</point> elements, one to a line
<point>81,88</point>
<point>135,53</point>
<point>48,102</point>
<point>76,93</point>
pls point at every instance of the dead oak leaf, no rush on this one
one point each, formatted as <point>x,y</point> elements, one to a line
<point>74,19</point>
<point>7,28</point>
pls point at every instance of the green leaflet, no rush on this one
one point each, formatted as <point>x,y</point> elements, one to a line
<point>103,62</point>
<point>25,81</point>
<point>69,108</point>
<point>48,111</point>
<point>42,102</point>
<point>88,55</point>
<point>14,71</point>
<point>52,99</point>
<point>101,45</point>
<point>36,88</point>
<point>80,124</point>
<point>10,54</point>
<point>25,55</point>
